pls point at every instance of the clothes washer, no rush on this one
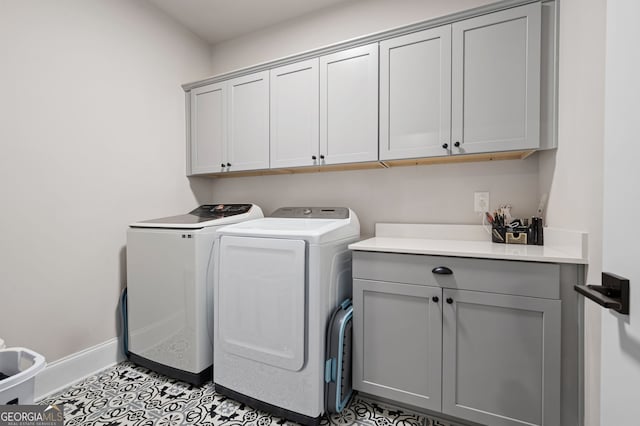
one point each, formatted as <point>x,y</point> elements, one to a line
<point>169,306</point>
<point>277,281</point>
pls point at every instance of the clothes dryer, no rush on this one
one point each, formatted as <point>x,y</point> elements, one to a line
<point>277,281</point>
<point>169,306</point>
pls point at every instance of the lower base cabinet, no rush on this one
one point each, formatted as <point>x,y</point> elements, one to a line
<point>485,357</point>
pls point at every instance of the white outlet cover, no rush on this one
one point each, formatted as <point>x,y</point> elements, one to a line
<point>481,202</point>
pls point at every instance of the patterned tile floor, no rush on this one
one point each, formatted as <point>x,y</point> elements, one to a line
<point>131,395</point>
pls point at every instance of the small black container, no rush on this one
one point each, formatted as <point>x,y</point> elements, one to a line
<point>499,234</point>
<point>530,235</point>
<point>535,231</point>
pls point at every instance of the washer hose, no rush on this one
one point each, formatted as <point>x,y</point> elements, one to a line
<point>125,322</point>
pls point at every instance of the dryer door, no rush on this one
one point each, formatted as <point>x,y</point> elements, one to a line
<point>261,300</point>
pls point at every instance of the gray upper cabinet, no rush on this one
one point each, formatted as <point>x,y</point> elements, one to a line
<point>349,106</point>
<point>295,114</point>
<point>323,110</point>
<point>496,81</point>
<point>229,128</point>
<point>502,362</point>
<point>470,87</point>
<point>415,94</point>
<point>208,128</point>
<point>398,342</point>
<point>484,84</point>
<point>248,115</point>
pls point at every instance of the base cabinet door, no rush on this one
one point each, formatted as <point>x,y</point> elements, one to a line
<point>501,363</point>
<point>397,342</point>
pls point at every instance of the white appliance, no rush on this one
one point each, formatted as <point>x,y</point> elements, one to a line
<point>169,290</point>
<point>276,282</point>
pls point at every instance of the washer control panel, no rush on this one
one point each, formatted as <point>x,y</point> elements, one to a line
<point>312,212</point>
<point>214,211</point>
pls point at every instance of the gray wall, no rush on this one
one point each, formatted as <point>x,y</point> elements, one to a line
<point>572,176</point>
<point>413,194</point>
<point>91,139</point>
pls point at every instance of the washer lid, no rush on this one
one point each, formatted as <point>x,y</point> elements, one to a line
<point>204,216</point>
<point>312,230</point>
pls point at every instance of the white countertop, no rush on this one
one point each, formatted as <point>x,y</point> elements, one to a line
<point>561,246</point>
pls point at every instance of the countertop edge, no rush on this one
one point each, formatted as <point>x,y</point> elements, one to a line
<point>456,253</point>
<point>564,246</point>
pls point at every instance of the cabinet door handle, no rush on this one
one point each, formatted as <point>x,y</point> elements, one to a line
<point>436,299</point>
<point>449,300</point>
<point>228,164</point>
<point>445,145</point>
<point>222,165</point>
<point>322,156</point>
<point>313,157</point>
<point>442,270</point>
<point>457,144</point>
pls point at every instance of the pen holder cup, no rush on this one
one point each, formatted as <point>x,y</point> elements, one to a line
<point>499,234</point>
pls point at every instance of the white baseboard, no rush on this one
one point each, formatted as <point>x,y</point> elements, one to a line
<point>75,367</point>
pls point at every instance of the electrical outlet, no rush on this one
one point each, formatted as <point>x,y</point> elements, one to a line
<point>480,202</point>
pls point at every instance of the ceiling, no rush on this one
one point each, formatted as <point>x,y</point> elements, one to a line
<point>219,20</point>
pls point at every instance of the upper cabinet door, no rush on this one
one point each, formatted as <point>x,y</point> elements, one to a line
<point>349,106</point>
<point>295,114</point>
<point>248,147</point>
<point>208,128</point>
<point>496,81</point>
<point>415,94</point>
